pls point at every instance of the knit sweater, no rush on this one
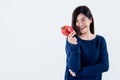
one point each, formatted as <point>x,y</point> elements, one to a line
<point>88,59</point>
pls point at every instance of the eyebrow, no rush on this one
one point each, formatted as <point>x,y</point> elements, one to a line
<point>81,18</point>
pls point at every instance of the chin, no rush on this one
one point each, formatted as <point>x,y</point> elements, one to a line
<point>83,32</point>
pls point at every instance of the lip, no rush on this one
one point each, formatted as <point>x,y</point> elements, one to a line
<point>82,28</point>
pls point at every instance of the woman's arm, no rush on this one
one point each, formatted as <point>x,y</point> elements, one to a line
<point>73,56</point>
<point>101,66</point>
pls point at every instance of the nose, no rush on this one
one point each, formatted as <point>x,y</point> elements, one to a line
<point>80,24</point>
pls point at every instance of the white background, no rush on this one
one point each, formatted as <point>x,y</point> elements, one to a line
<point>32,46</point>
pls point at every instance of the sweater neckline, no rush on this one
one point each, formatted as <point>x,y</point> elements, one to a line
<point>88,41</point>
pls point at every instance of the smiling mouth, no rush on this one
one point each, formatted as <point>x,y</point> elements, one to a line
<point>82,28</point>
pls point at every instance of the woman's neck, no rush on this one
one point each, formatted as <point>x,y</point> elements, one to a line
<point>87,36</point>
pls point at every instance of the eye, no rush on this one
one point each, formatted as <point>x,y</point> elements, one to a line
<point>82,19</point>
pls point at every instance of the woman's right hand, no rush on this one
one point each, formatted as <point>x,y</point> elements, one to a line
<point>71,38</point>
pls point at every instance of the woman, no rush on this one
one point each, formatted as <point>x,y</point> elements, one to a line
<point>87,55</point>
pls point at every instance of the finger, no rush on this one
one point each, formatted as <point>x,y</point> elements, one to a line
<point>73,74</point>
<point>73,39</point>
<point>72,34</point>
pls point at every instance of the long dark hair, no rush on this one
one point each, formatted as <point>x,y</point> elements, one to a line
<point>86,11</point>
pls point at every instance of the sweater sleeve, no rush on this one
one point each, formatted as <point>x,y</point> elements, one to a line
<point>101,66</point>
<point>73,56</point>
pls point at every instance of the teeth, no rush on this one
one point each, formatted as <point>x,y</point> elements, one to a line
<point>82,28</point>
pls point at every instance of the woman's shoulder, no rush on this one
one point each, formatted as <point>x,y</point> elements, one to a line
<point>100,37</point>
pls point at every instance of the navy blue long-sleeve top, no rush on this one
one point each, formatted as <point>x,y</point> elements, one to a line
<point>88,59</point>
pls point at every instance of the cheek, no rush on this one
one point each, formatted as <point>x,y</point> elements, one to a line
<point>76,24</point>
<point>87,24</point>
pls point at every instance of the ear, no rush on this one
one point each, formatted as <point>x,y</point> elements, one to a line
<point>90,20</point>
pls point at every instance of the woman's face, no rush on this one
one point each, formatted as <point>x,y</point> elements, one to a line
<point>83,23</point>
